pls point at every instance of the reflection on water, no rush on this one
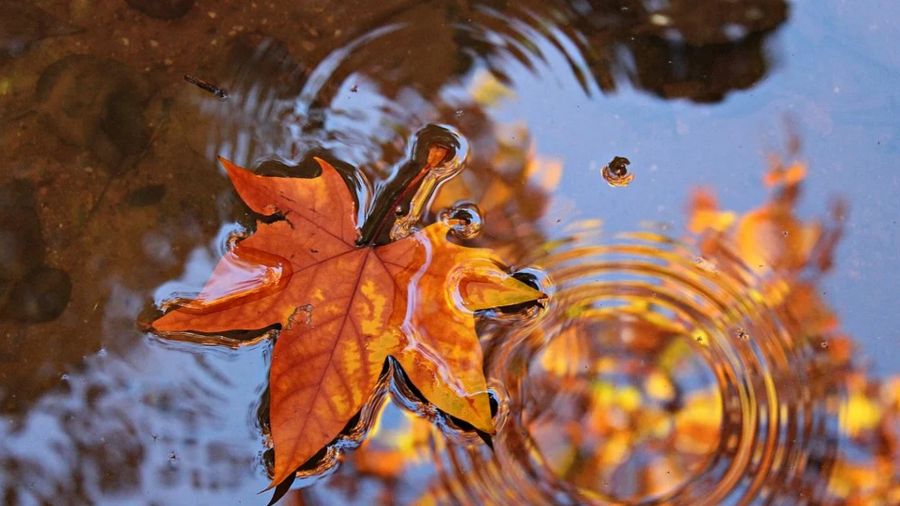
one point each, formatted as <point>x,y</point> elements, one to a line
<point>664,371</point>
<point>637,388</point>
<point>109,191</point>
<point>380,81</point>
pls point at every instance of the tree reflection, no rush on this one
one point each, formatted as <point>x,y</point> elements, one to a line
<point>678,49</point>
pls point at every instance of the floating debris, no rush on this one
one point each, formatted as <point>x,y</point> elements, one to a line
<point>616,172</point>
<point>220,93</point>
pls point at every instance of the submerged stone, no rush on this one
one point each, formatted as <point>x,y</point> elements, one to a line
<point>21,244</point>
<point>96,104</point>
<point>146,195</point>
<point>39,297</point>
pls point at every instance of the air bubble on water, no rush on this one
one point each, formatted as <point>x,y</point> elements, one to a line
<point>616,172</point>
<point>464,220</point>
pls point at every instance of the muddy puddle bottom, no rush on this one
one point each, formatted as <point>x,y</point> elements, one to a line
<point>720,326</point>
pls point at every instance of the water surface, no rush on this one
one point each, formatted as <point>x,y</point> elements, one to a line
<point>111,202</point>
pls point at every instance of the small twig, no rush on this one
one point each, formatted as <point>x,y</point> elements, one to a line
<point>220,93</point>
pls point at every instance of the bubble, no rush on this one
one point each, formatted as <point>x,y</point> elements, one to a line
<point>464,220</point>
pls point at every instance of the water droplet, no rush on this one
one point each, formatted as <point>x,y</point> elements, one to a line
<point>823,345</point>
<point>743,335</point>
<point>464,220</point>
<point>616,172</point>
<point>459,113</point>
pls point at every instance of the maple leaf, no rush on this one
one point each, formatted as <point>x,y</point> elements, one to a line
<point>344,308</point>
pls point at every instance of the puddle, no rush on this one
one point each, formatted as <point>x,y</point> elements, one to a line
<point>631,386</point>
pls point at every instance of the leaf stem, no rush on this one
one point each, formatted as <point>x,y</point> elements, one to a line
<point>438,154</point>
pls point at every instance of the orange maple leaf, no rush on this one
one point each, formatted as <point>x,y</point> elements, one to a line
<point>343,309</point>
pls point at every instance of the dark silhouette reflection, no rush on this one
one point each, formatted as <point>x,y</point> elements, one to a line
<point>705,73</point>
<point>357,87</point>
<point>691,50</point>
<point>679,49</point>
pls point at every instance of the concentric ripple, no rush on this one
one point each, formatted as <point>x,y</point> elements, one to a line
<point>655,376</point>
